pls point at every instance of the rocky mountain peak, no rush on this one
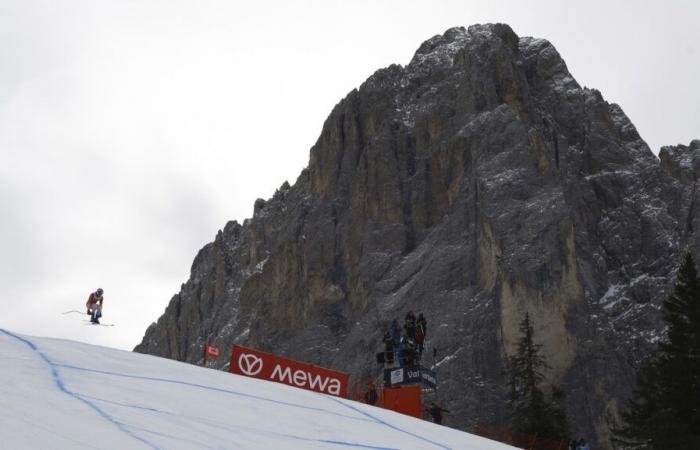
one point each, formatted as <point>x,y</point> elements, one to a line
<point>682,162</point>
<point>440,49</point>
<point>475,184</point>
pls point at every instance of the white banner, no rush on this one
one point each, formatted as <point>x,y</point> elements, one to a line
<point>397,376</point>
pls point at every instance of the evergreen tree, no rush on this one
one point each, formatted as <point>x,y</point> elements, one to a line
<point>664,412</point>
<point>532,413</point>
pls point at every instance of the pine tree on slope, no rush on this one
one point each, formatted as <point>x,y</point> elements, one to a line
<point>664,412</point>
<point>532,413</point>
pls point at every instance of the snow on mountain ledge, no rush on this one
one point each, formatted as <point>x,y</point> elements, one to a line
<point>62,394</point>
<point>441,49</point>
<point>681,162</point>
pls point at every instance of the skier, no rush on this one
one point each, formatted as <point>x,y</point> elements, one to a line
<point>94,305</point>
<point>436,413</point>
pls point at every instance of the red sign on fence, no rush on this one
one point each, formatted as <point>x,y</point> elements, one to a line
<point>257,364</point>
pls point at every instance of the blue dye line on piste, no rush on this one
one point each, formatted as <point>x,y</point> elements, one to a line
<point>124,405</point>
<point>286,436</point>
<point>355,445</point>
<point>370,418</point>
<point>178,439</point>
<point>61,386</point>
<point>393,427</point>
<point>332,442</point>
<point>237,429</point>
<point>215,389</point>
<point>59,383</point>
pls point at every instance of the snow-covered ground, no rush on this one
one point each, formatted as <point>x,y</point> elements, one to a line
<point>57,394</point>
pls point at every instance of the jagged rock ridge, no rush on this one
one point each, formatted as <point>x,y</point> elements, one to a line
<point>478,182</point>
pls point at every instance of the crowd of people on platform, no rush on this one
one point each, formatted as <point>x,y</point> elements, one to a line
<point>405,345</point>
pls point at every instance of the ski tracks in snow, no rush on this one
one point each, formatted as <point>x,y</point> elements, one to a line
<point>58,381</point>
<point>92,403</point>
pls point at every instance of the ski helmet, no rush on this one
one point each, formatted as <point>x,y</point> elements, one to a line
<point>99,292</point>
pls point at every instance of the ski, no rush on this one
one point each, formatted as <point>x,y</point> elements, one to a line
<point>87,322</point>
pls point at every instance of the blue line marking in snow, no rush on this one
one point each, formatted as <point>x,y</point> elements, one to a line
<point>178,439</point>
<point>210,388</point>
<point>371,417</point>
<point>327,441</point>
<point>125,405</point>
<point>237,429</point>
<point>287,436</point>
<point>344,444</point>
<point>59,383</point>
<point>393,427</point>
<point>61,386</point>
<point>355,445</point>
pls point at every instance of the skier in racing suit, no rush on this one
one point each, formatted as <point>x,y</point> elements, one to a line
<point>94,305</point>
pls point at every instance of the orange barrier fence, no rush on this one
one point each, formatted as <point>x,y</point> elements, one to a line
<point>405,400</point>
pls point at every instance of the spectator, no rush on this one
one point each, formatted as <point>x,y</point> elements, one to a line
<point>396,332</point>
<point>422,324</point>
<point>410,325</point>
<point>388,348</point>
<point>409,351</point>
<point>436,413</point>
<point>371,396</point>
<point>401,350</point>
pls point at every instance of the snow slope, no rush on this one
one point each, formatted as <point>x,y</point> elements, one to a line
<point>57,394</point>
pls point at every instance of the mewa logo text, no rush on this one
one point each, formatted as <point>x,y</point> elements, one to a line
<point>306,380</point>
<point>265,366</point>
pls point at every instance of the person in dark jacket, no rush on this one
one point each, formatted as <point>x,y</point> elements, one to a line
<point>409,351</point>
<point>388,348</point>
<point>401,352</point>
<point>436,413</point>
<point>410,325</point>
<point>371,396</point>
<point>419,345</point>
<point>422,324</point>
<point>396,332</point>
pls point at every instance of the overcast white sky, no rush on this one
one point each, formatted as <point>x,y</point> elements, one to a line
<point>131,131</point>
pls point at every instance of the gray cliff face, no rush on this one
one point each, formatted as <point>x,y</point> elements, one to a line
<point>475,184</point>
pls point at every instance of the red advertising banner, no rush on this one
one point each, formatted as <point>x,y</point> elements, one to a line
<point>257,364</point>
